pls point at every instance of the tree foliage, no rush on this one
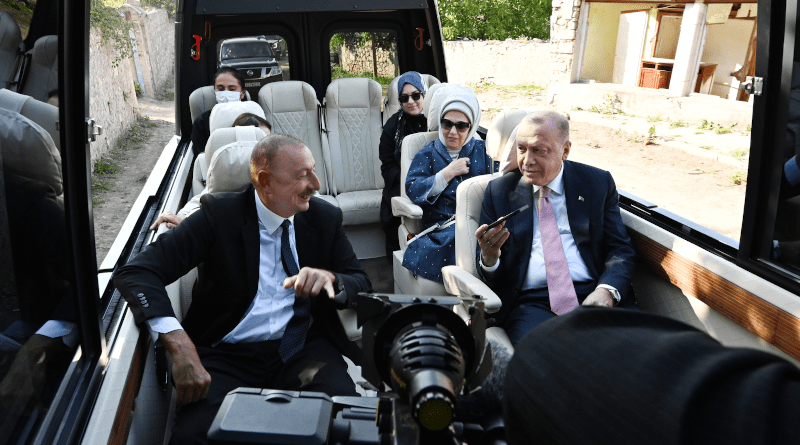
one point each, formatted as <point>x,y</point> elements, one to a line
<point>495,19</point>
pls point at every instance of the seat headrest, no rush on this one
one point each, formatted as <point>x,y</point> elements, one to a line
<point>204,99</point>
<point>223,115</point>
<point>10,39</point>
<point>43,73</point>
<point>391,104</point>
<point>229,170</point>
<point>287,97</point>
<point>432,103</point>
<point>28,150</point>
<point>500,130</point>
<point>42,113</point>
<point>225,136</point>
<point>353,92</point>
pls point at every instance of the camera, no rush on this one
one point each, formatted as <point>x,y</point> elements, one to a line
<point>418,347</point>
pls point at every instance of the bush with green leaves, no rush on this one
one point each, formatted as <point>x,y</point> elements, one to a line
<point>113,28</point>
<point>495,19</point>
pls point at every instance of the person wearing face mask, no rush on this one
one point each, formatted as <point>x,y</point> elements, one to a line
<point>229,87</point>
<point>436,172</point>
<point>408,120</point>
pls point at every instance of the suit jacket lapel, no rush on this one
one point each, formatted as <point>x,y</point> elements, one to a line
<point>521,225</point>
<point>251,241</point>
<point>306,240</point>
<point>578,211</point>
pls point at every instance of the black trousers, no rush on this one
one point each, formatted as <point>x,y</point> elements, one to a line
<point>317,367</point>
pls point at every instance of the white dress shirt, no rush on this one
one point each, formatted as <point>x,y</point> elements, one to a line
<point>272,307</point>
<point>536,277</point>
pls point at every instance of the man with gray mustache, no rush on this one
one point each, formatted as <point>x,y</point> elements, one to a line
<point>271,259</point>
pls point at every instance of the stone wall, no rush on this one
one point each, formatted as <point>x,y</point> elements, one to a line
<point>154,33</point>
<point>360,61</point>
<point>509,62</point>
<point>563,30</point>
<point>112,100</point>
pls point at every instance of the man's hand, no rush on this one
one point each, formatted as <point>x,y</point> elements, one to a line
<point>168,217</point>
<point>191,378</point>
<point>458,167</point>
<point>490,242</point>
<point>600,297</point>
<point>309,282</point>
<point>22,386</point>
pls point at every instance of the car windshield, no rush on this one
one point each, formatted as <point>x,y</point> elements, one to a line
<point>245,50</point>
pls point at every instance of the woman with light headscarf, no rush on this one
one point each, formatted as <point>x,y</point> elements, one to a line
<point>436,172</point>
<point>408,120</point>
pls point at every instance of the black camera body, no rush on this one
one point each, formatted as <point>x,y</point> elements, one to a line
<point>418,346</point>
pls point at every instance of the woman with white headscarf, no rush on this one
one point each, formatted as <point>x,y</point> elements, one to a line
<point>436,172</point>
<point>408,120</point>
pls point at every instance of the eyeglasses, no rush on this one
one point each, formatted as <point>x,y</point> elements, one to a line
<point>447,124</point>
<point>404,97</point>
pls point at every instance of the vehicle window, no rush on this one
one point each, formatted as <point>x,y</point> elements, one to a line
<point>261,59</point>
<point>369,53</point>
<point>687,140</point>
<point>785,247</point>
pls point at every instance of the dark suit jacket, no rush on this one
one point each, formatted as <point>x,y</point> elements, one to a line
<point>638,378</point>
<point>223,237</point>
<point>595,221</point>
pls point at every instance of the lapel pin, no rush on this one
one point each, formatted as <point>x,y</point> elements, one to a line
<point>580,198</point>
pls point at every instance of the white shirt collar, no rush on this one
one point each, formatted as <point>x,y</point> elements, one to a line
<point>556,185</point>
<point>268,218</point>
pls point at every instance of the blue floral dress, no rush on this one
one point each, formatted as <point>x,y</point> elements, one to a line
<point>426,256</point>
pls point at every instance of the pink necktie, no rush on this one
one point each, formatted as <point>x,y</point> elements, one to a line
<point>559,283</point>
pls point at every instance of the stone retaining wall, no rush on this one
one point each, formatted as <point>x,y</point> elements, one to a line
<point>360,61</point>
<point>509,62</point>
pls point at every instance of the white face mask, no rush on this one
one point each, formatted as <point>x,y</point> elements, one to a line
<point>228,96</point>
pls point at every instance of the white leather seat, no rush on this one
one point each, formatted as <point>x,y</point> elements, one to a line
<point>29,151</point>
<point>501,135</point>
<point>462,278</point>
<point>293,109</point>
<point>204,99</point>
<point>41,73</point>
<point>391,104</point>
<point>42,113</point>
<point>353,120</point>
<point>10,40</point>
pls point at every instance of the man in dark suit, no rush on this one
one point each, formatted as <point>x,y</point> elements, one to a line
<point>635,378</point>
<point>269,259</point>
<point>580,248</point>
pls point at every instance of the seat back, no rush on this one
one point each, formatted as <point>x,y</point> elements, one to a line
<point>204,99</point>
<point>225,136</point>
<point>41,74</point>
<point>353,119</point>
<point>292,108</point>
<point>433,101</point>
<point>223,115</point>
<point>28,151</point>
<point>10,40</point>
<point>391,104</point>
<point>229,170</point>
<point>500,131</point>
<point>42,113</point>
<point>469,199</point>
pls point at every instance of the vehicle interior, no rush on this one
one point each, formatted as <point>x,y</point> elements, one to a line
<point>110,384</point>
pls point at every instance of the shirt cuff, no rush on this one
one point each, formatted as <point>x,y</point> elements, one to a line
<point>488,269</point>
<point>162,325</point>
<point>614,292</point>
<point>792,171</point>
<point>439,184</point>
<point>59,328</point>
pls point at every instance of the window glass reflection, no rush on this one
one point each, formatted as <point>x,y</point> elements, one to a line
<point>261,59</point>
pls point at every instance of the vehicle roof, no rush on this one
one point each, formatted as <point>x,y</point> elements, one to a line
<point>245,39</point>
<point>258,6</point>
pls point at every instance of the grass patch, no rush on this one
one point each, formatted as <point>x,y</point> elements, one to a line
<point>337,72</point>
<point>105,167</point>
<point>510,91</point>
<point>654,119</point>
<point>678,124</point>
<point>170,95</point>
<point>738,178</point>
<point>747,130</point>
<point>740,153</point>
<point>706,147</point>
<point>716,128</point>
<point>610,105</point>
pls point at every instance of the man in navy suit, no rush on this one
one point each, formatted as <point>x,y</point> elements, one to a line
<point>260,315</point>
<point>586,206</point>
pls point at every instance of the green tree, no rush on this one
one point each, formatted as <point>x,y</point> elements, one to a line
<point>495,19</point>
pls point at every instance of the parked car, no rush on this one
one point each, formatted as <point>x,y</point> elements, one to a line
<point>254,57</point>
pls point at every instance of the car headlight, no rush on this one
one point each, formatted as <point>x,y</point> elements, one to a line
<point>275,71</point>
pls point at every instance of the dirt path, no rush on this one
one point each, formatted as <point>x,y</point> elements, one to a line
<point>687,172</point>
<point>134,158</point>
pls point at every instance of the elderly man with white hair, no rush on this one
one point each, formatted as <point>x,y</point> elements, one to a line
<point>568,247</point>
<point>436,172</point>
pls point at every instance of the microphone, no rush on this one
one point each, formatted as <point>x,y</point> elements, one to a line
<point>485,406</point>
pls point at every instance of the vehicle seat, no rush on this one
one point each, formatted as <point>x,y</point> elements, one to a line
<point>391,104</point>
<point>41,74</point>
<point>204,99</point>
<point>29,151</point>
<point>10,41</point>
<point>501,135</point>
<point>353,120</point>
<point>462,278</point>
<point>42,113</point>
<point>292,108</point>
